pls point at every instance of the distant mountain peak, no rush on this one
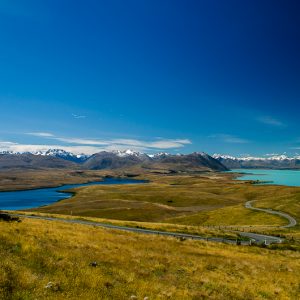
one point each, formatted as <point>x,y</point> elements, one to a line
<point>127,152</point>
<point>125,158</point>
<point>271,162</point>
<point>248,158</point>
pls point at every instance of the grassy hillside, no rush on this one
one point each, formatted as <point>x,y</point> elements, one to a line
<point>208,199</point>
<point>18,179</point>
<point>34,253</point>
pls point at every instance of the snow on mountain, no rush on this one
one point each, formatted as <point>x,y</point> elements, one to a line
<point>7,152</point>
<point>115,159</point>
<point>128,152</point>
<point>59,153</point>
<point>218,156</point>
<point>253,158</point>
<point>125,153</point>
<point>159,155</point>
<point>268,162</point>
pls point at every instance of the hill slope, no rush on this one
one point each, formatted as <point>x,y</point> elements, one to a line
<point>111,160</point>
<point>52,260</point>
<point>30,161</point>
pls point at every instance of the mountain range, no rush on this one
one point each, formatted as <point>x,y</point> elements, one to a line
<point>250,162</point>
<point>58,158</point>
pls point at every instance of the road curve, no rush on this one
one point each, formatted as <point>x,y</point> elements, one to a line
<point>257,238</point>
<point>292,221</point>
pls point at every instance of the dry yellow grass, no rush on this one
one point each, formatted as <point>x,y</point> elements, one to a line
<point>34,253</point>
<point>206,231</point>
<point>232,215</point>
<point>207,199</point>
<point>12,180</point>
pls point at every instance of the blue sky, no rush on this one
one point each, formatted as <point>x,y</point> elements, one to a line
<point>174,76</point>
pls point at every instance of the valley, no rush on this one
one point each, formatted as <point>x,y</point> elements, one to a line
<point>182,196</point>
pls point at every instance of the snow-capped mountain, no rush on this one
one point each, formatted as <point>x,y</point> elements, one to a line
<point>159,155</point>
<point>110,160</point>
<point>58,153</point>
<point>128,152</point>
<point>270,162</point>
<point>128,158</point>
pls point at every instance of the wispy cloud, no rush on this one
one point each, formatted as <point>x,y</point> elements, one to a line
<point>159,144</point>
<point>15,147</point>
<point>81,141</point>
<point>78,116</point>
<point>4,144</point>
<point>79,145</point>
<point>121,143</point>
<point>41,134</point>
<point>228,138</point>
<point>270,121</point>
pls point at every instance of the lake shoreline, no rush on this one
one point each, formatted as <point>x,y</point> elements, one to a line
<point>277,177</point>
<point>40,197</point>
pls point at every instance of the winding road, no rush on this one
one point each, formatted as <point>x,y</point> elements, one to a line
<point>292,221</point>
<point>253,237</point>
<point>131,229</point>
<point>257,238</point>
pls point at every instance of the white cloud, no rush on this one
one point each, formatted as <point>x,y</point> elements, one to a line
<point>121,143</point>
<point>90,146</point>
<point>270,121</point>
<point>166,144</point>
<point>14,147</point>
<point>231,139</point>
<point>160,144</point>
<point>78,116</point>
<point>4,144</point>
<point>81,141</point>
<point>41,134</point>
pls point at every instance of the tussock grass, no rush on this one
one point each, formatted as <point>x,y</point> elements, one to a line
<point>205,231</point>
<point>34,253</point>
<point>209,199</point>
<point>20,179</point>
<point>232,215</point>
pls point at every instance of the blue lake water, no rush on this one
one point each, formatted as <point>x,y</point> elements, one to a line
<point>18,200</point>
<point>278,177</point>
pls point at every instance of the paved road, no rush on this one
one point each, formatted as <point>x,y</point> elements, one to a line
<point>292,221</point>
<point>258,238</point>
<point>261,238</point>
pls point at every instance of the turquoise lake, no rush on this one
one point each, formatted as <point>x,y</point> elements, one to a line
<point>278,177</point>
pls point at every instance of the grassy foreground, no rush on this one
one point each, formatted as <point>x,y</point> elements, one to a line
<point>34,253</point>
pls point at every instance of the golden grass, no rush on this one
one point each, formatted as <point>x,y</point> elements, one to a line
<point>205,231</point>
<point>34,253</point>
<point>210,199</point>
<point>232,215</point>
<point>12,180</point>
